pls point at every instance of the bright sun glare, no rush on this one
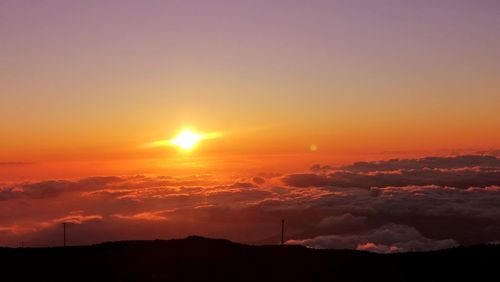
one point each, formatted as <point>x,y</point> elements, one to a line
<point>186,140</point>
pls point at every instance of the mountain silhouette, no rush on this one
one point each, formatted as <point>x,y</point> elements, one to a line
<point>201,259</point>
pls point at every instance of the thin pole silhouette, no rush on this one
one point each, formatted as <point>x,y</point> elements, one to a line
<point>64,234</point>
<point>282,232</point>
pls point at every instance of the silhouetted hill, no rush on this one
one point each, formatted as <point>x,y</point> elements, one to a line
<point>201,259</point>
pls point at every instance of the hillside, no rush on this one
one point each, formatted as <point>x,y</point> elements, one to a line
<point>202,259</point>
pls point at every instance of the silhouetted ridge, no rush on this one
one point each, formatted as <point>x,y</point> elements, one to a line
<point>200,259</point>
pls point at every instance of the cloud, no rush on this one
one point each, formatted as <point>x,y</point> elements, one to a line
<point>78,219</point>
<point>460,172</point>
<point>15,229</point>
<point>335,205</point>
<point>386,239</point>
<point>428,162</point>
<point>258,180</point>
<point>319,167</point>
<point>495,153</point>
<point>52,188</point>
<point>148,216</point>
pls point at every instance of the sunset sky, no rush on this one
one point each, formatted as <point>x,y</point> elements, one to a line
<point>94,93</point>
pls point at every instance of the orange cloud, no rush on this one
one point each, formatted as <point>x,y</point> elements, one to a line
<point>246,209</point>
<point>149,216</point>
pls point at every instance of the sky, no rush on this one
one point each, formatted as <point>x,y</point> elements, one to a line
<point>94,93</point>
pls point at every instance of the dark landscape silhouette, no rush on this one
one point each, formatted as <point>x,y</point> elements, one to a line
<point>201,259</point>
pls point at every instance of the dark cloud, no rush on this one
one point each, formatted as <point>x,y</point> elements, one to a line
<point>460,178</point>
<point>258,180</point>
<point>428,162</point>
<point>53,188</point>
<point>460,172</point>
<point>307,180</point>
<point>319,167</point>
<point>243,185</point>
<point>469,216</point>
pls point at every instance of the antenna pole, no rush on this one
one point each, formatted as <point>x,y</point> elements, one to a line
<point>282,232</point>
<point>64,234</point>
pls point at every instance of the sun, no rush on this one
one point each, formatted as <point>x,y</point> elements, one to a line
<point>186,140</point>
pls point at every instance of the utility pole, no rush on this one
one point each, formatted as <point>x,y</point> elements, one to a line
<point>64,234</point>
<point>282,232</point>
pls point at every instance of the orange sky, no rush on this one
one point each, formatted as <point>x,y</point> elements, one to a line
<point>356,81</point>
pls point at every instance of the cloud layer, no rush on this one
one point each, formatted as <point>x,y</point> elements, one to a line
<point>460,172</point>
<point>385,239</point>
<point>388,206</point>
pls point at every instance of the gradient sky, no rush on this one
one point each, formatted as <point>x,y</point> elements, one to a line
<point>87,86</point>
<point>93,79</point>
